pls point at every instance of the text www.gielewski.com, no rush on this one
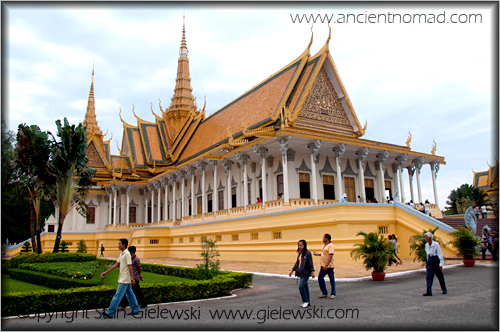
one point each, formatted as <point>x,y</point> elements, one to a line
<point>263,315</point>
<point>428,18</point>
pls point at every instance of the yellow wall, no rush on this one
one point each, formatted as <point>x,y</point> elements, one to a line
<point>343,222</point>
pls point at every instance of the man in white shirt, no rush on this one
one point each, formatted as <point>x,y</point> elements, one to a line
<point>125,281</point>
<point>434,266</point>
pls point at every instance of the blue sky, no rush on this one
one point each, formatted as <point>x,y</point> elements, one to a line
<point>435,80</point>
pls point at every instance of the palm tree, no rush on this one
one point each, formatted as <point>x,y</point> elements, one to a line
<point>31,156</point>
<point>374,251</point>
<point>464,196</point>
<point>417,245</point>
<point>69,178</point>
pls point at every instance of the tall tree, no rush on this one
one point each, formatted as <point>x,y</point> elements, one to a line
<point>32,154</point>
<point>68,177</point>
<point>464,196</point>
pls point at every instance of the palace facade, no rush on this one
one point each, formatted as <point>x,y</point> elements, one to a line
<point>285,150</point>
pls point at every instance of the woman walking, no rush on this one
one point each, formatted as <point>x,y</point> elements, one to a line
<point>304,268</point>
<point>396,250</point>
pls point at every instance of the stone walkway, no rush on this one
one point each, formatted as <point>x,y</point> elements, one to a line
<point>349,270</point>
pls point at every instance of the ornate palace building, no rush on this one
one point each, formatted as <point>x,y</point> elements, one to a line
<point>284,151</point>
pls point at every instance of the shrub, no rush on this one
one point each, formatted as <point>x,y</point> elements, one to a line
<point>50,257</point>
<point>26,247</point>
<point>63,247</point>
<point>55,281</point>
<point>465,242</point>
<point>100,297</point>
<point>78,270</point>
<point>374,251</point>
<point>211,265</point>
<point>417,245</point>
<point>81,246</point>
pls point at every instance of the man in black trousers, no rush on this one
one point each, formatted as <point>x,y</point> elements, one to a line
<point>434,266</point>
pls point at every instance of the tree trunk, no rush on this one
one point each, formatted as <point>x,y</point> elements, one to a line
<point>59,231</point>
<point>38,239</point>
<point>32,228</point>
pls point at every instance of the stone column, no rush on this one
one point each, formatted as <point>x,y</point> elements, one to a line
<point>411,171</point>
<point>181,175</point>
<point>215,195</point>
<point>396,182</point>
<point>110,192</point>
<point>226,164</point>
<point>114,204</point>
<point>284,160</point>
<point>201,167</point>
<point>434,169</point>
<point>382,158</point>
<point>255,184</point>
<point>401,160</point>
<point>164,184</point>
<point>123,206</point>
<point>158,205</point>
<point>418,166</point>
<point>362,154</point>
<point>152,189</point>
<point>339,153</point>
<point>261,153</point>
<point>190,170</point>
<point>172,180</point>
<point>243,161</point>
<point>146,205</point>
<point>128,205</point>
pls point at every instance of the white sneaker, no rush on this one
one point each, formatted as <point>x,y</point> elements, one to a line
<point>305,305</point>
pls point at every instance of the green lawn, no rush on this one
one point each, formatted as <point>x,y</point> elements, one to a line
<point>10,285</point>
<point>111,278</point>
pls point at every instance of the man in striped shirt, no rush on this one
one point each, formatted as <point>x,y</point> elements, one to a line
<point>136,270</point>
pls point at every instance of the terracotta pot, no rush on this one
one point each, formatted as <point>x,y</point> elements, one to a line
<point>469,262</point>
<point>378,276</point>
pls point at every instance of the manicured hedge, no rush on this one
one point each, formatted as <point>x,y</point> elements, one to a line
<point>100,297</point>
<point>49,257</point>
<point>56,282</point>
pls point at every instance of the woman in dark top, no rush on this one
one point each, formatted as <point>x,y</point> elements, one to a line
<point>304,268</point>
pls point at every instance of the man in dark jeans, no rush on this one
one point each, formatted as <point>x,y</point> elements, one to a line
<point>137,270</point>
<point>326,267</point>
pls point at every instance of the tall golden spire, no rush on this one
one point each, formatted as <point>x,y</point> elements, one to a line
<point>182,101</point>
<point>90,117</point>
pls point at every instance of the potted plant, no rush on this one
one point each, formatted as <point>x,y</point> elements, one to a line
<point>375,252</point>
<point>466,245</point>
<point>417,245</point>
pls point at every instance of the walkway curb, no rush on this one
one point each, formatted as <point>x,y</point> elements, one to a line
<point>388,275</point>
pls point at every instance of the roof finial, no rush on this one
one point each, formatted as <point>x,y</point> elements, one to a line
<point>183,50</point>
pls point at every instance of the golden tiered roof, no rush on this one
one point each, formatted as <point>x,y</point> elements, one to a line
<point>305,98</point>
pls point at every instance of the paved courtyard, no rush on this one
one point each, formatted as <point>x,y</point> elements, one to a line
<point>273,304</point>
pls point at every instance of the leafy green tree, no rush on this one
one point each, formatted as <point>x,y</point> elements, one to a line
<point>464,196</point>
<point>211,265</point>
<point>81,246</point>
<point>32,154</point>
<point>15,204</point>
<point>417,245</point>
<point>374,251</point>
<point>68,178</point>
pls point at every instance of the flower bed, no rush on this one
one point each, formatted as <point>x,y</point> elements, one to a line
<point>79,270</point>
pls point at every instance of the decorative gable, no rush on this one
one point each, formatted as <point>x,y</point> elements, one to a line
<point>323,110</point>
